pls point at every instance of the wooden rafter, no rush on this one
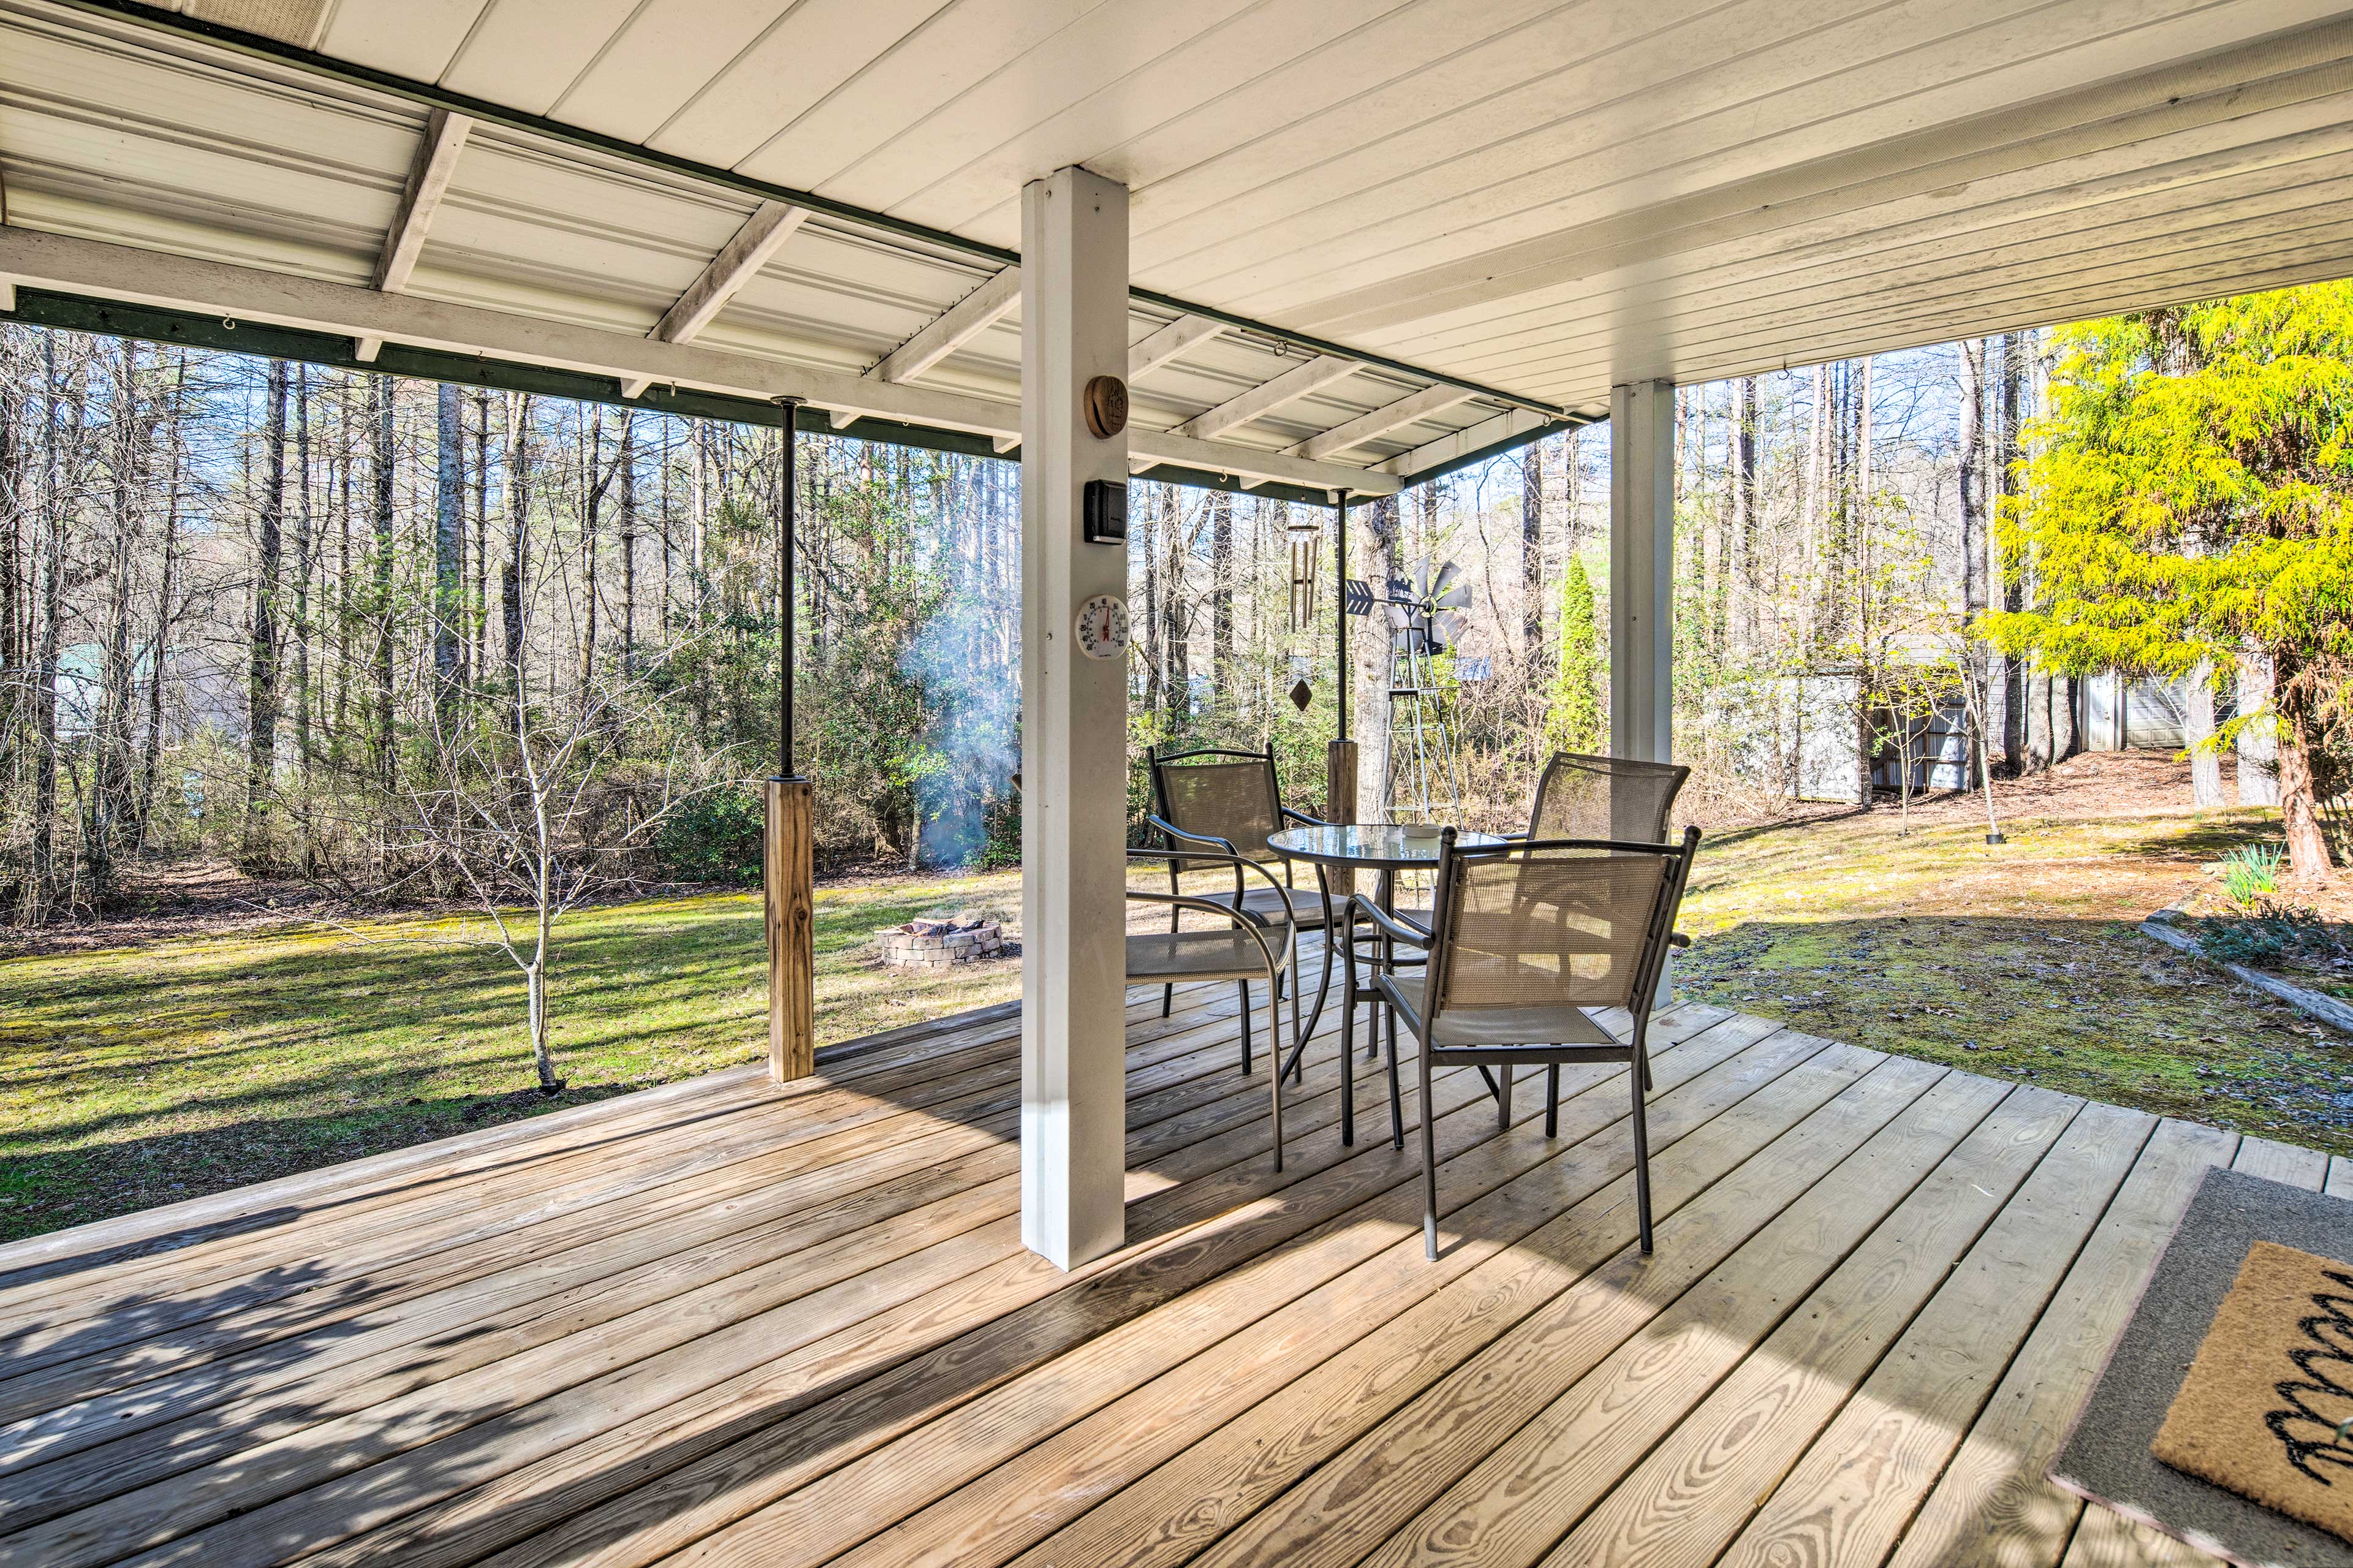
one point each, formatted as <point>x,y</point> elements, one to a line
<point>1267,396</point>
<point>953,327</point>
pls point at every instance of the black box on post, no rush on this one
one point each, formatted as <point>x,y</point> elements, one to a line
<point>1104,510</point>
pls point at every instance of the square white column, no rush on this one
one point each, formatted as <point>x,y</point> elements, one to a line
<point>1073,730</point>
<point>1642,570</point>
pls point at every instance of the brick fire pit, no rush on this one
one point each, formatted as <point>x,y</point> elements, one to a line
<point>937,944</point>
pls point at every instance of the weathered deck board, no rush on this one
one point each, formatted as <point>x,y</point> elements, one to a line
<point>727,1323</point>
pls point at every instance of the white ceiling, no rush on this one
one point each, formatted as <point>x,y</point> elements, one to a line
<point>1537,197</point>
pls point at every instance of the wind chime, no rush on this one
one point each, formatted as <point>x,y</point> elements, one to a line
<point>1306,539</point>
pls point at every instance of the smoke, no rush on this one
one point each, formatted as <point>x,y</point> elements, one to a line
<point>967,661</point>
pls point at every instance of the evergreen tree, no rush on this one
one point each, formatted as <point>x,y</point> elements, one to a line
<point>1573,720</point>
<point>2188,500</point>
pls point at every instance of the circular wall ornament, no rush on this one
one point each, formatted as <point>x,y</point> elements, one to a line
<point>1106,406</point>
<point>1103,627</point>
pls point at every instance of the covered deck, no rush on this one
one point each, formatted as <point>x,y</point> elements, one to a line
<point>728,1321</point>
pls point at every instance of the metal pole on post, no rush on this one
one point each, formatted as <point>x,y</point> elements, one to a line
<point>790,858</point>
<point>1340,757</point>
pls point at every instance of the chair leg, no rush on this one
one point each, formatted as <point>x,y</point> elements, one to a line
<point>1274,1035</point>
<point>1504,1098</point>
<point>1551,1099</point>
<point>1396,1096</point>
<point>1347,1076</point>
<point>1168,999</point>
<point>1428,1158</point>
<point>1244,988</point>
<point>1641,1166</point>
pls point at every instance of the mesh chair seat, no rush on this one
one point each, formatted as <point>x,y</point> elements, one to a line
<point>1166,955</point>
<point>1309,907</point>
<point>1469,1028</point>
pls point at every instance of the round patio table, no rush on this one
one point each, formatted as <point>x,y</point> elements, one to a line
<point>1384,849</point>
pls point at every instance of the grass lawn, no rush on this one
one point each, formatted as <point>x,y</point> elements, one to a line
<point>2019,961</point>
<point>137,1075</point>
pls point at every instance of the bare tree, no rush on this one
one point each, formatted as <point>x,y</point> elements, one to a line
<point>533,818</point>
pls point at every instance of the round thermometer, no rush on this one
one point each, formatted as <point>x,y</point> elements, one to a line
<point>1103,627</point>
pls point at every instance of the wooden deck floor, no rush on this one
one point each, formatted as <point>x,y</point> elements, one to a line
<point>719,1322</point>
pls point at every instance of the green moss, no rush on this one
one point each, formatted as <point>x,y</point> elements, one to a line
<point>2020,961</point>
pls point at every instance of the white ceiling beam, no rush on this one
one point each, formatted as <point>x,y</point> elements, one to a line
<point>953,327</point>
<point>1461,444</point>
<point>428,181</point>
<point>221,289</point>
<point>1406,410</point>
<point>1267,396</point>
<point>737,263</point>
<point>1171,343</point>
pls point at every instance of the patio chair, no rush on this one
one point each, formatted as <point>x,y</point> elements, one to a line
<point>1579,796</point>
<point>1247,947</point>
<point>1231,802</point>
<point>1527,939</point>
<point>1582,796</point>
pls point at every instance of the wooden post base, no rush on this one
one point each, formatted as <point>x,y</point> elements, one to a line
<point>1340,802</point>
<point>790,870</point>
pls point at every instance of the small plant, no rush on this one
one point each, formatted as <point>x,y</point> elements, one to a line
<point>2251,873</point>
<point>2272,930</point>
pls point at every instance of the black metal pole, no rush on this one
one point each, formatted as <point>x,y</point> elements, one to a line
<point>787,505</point>
<point>1340,598</point>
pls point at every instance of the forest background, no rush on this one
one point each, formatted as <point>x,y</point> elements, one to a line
<point>278,601</point>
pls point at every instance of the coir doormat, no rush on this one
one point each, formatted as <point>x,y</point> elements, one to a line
<point>2110,1456</point>
<point>2274,1378</point>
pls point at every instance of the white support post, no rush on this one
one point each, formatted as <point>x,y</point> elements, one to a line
<point>1073,731</point>
<point>1641,570</point>
<point>1642,583</point>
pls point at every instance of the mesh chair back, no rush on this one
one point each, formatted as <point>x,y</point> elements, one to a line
<point>1605,797</point>
<point>1232,798</point>
<point>1553,923</point>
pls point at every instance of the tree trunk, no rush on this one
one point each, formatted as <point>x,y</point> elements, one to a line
<point>2006,587</point>
<point>41,881</point>
<point>2205,764</point>
<point>627,463</point>
<point>2259,780</point>
<point>478,603</point>
<point>448,542</point>
<point>2301,729</point>
<point>1221,589</point>
<point>1177,639</point>
<point>113,807</point>
<point>1532,557</point>
<point>160,653</point>
<point>261,680</point>
<point>1376,563</point>
<point>380,599</point>
<point>1743,458</point>
<point>302,548</point>
<point>1970,460</point>
<point>515,573</point>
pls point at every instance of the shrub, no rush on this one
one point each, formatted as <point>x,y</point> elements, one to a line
<point>715,837</point>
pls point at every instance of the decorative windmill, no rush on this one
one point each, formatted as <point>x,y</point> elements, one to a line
<point>1425,614</point>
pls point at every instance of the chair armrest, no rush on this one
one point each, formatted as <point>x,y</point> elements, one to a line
<point>1174,831</point>
<point>1239,862</point>
<point>1678,939</point>
<point>1301,818</point>
<point>1395,928</point>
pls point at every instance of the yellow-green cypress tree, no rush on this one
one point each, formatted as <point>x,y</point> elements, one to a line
<point>2188,498</point>
<point>1573,719</point>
